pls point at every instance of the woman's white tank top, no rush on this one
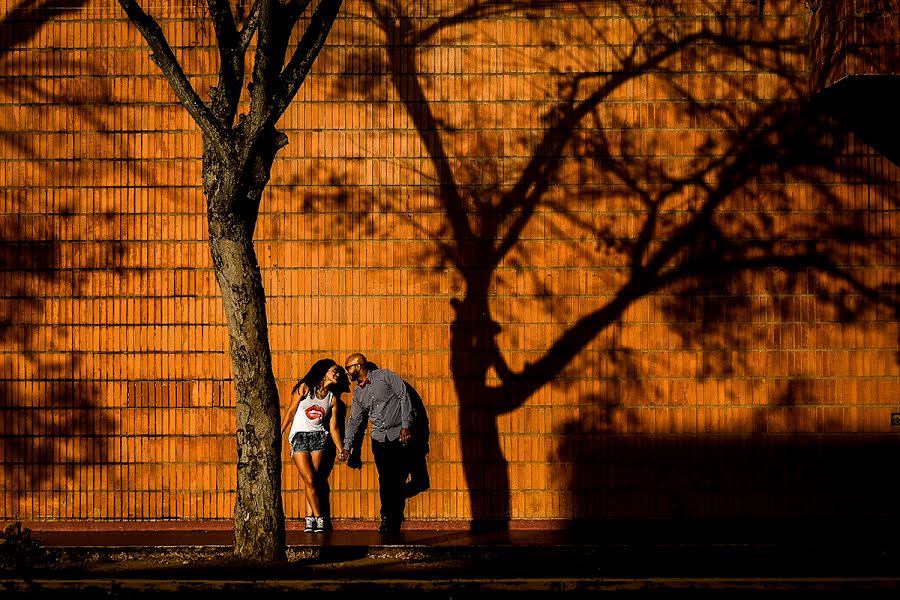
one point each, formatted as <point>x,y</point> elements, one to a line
<point>312,413</point>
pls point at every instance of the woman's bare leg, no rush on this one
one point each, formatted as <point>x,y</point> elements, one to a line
<point>305,464</point>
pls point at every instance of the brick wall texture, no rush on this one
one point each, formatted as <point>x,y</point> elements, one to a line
<point>626,268</point>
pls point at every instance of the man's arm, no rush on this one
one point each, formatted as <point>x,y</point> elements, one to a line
<point>358,414</point>
<point>399,389</point>
<point>333,425</point>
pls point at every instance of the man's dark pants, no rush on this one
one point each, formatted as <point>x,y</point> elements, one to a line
<point>391,460</point>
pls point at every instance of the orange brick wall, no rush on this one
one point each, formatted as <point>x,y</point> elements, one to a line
<point>626,274</point>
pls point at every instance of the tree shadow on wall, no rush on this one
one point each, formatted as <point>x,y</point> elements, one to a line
<point>48,436</point>
<point>714,209</point>
<point>51,424</point>
<point>23,84</point>
<point>48,413</point>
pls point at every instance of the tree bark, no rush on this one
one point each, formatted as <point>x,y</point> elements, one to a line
<point>233,197</point>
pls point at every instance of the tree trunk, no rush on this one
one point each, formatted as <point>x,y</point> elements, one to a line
<point>259,532</point>
<point>237,162</point>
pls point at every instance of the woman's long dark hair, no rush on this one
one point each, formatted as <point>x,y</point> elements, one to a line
<point>315,374</point>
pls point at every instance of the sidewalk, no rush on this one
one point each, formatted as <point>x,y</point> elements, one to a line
<point>454,534</point>
<point>157,559</point>
<point>344,533</point>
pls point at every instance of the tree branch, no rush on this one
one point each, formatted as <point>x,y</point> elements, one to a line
<point>294,9</point>
<point>165,59</point>
<point>307,50</point>
<point>271,44</point>
<point>250,26</point>
<point>227,92</point>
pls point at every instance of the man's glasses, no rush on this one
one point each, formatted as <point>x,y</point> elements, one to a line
<point>348,367</point>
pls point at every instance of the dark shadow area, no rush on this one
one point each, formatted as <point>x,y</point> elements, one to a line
<point>25,19</point>
<point>866,105</point>
<point>854,64</point>
<point>21,24</point>
<point>693,211</point>
<point>53,421</point>
<point>28,266</point>
<point>52,434</point>
<point>731,480</point>
<point>622,556</point>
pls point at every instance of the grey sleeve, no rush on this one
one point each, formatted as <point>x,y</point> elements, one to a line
<point>399,388</point>
<point>358,414</point>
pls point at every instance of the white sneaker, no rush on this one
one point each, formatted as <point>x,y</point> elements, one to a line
<point>310,524</point>
<point>320,524</point>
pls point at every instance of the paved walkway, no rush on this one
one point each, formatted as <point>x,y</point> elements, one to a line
<point>158,559</point>
<point>221,533</point>
<point>644,532</point>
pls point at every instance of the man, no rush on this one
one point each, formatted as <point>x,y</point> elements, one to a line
<point>381,396</point>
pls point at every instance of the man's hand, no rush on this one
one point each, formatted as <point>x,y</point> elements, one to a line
<point>343,456</point>
<point>405,436</point>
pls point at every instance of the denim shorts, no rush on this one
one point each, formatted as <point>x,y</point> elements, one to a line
<point>309,441</point>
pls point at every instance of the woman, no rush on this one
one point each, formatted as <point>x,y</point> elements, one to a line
<point>313,401</point>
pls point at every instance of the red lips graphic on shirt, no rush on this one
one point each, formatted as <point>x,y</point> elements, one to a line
<point>315,412</point>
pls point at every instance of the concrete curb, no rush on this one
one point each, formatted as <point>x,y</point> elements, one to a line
<point>461,585</point>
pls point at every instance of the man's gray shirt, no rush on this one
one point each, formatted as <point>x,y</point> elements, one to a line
<point>384,399</point>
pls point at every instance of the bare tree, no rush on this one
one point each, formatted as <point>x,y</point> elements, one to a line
<point>238,151</point>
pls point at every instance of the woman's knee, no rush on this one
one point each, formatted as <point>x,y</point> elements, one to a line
<point>309,479</point>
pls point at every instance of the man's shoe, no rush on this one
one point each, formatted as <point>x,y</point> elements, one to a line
<point>389,525</point>
<point>310,524</point>
<point>320,524</point>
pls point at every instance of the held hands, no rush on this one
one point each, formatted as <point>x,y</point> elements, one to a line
<point>405,436</point>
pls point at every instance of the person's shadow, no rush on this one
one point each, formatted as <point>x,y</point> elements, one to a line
<point>419,480</point>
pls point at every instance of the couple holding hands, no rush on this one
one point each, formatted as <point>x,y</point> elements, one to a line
<point>380,395</point>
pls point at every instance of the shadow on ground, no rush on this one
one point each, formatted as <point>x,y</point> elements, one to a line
<point>642,556</point>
